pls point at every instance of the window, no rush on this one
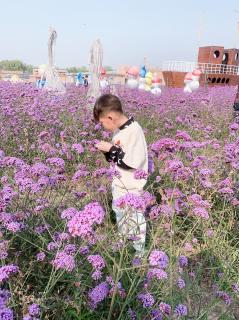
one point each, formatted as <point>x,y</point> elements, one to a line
<point>216,54</point>
<point>225,58</point>
<point>218,80</point>
<point>213,80</point>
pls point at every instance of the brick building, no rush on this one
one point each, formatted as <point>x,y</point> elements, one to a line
<point>219,66</point>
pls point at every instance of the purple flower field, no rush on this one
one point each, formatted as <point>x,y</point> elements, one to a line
<point>61,256</point>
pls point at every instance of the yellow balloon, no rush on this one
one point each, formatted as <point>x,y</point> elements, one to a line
<point>148,81</point>
<point>147,88</point>
<point>149,75</point>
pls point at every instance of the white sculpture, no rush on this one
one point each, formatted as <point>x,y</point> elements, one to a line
<point>132,81</point>
<point>156,85</point>
<point>191,81</point>
<point>141,83</point>
<point>96,58</point>
<point>50,74</point>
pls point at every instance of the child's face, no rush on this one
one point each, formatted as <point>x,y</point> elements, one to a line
<point>107,121</point>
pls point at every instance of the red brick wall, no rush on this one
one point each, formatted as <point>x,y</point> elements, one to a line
<point>206,54</point>
<point>220,80</point>
<point>176,79</point>
<point>232,55</point>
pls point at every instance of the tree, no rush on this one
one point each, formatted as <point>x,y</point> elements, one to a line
<point>108,68</point>
<point>15,65</point>
<point>77,69</point>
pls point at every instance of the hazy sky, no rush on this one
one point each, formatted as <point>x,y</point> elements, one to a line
<point>129,30</point>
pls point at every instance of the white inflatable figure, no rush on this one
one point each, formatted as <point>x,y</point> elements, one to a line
<point>148,81</point>
<point>156,85</point>
<point>142,83</point>
<point>194,84</point>
<point>103,81</point>
<point>79,79</point>
<point>142,74</point>
<point>132,81</point>
<point>41,73</point>
<point>187,81</point>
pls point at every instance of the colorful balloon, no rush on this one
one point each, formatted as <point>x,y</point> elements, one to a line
<point>133,71</point>
<point>103,71</point>
<point>143,72</point>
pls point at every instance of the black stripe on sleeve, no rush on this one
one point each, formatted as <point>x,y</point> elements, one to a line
<point>116,154</point>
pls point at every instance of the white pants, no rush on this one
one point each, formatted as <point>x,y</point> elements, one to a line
<point>129,221</point>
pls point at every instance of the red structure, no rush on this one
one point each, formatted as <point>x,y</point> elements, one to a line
<point>219,66</point>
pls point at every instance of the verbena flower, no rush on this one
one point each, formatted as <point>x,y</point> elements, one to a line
<point>63,261</point>
<point>98,294</point>
<point>181,310</point>
<point>165,308</point>
<point>159,274</point>
<point>158,258</point>
<point>96,261</point>
<point>181,283</point>
<point>34,309</point>
<point>183,261</point>
<point>78,148</point>
<point>147,299</point>
<point>7,270</point>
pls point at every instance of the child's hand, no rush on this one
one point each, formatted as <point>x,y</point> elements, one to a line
<point>104,146</point>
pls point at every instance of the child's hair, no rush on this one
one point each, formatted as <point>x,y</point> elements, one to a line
<point>106,103</point>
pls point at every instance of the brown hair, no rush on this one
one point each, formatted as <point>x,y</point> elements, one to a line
<point>106,103</point>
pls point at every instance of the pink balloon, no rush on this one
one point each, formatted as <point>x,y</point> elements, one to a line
<point>133,71</point>
<point>103,72</point>
<point>156,80</point>
<point>188,76</point>
<point>197,72</point>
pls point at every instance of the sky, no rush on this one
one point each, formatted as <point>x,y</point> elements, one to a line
<point>129,30</point>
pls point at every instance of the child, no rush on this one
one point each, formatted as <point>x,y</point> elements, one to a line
<point>129,152</point>
<point>236,102</point>
<point>86,81</point>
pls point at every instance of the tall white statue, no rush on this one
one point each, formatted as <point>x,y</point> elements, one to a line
<point>50,74</point>
<point>95,66</point>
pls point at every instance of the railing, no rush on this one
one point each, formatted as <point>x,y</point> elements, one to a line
<point>208,68</point>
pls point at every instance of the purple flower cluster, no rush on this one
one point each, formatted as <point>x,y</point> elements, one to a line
<point>82,223</point>
<point>5,312</point>
<point>64,261</point>
<point>7,271</point>
<point>224,296</point>
<point>181,283</point>
<point>199,206</point>
<point>96,261</point>
<point>165,308</point>
<point>181,310</point>
<point>135,201</point>
<point>98,294</point>
<point>159,274</point>
<point>140,174</point>
<point>158,258</point>
<point>183,261</point>
<point>78,148</point>
<point>147,299</point>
